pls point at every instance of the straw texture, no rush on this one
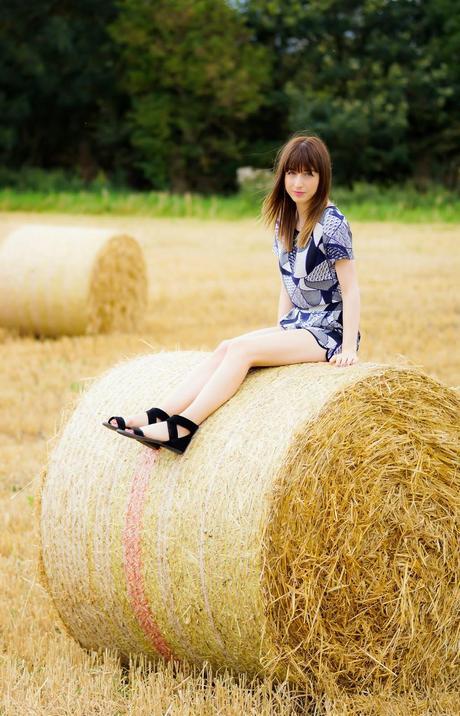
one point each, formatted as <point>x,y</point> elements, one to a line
<point>71,280</point>
<point>309,531</point>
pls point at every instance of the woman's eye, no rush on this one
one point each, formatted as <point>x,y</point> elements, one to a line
<point>291,171</point>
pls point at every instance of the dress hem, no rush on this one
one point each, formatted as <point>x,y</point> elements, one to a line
<point>329,350</point>
<point>315,337</point>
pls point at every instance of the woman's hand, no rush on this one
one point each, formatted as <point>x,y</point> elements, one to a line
<point>344,358</point>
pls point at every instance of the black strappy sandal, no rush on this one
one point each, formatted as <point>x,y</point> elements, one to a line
<point>152,416</point>
<point>175,443</point>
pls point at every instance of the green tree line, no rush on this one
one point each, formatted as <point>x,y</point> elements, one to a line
<point>176,94</point>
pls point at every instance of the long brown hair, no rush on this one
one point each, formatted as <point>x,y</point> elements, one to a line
<point>300,153</point>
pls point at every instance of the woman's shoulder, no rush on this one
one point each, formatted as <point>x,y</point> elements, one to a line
<point>332,210</point>
<point>334,235</point>
<point>331,219</point>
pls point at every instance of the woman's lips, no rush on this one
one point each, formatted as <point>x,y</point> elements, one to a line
<point>299,193</point>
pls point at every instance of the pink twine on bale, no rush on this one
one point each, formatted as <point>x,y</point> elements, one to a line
<point>132,552</point>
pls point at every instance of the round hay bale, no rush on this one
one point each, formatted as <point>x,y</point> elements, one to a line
<point>309,531</point>
<point>71,280</point>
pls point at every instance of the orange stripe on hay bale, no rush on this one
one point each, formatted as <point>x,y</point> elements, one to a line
<point>324,549</point>
<point>133,552</point>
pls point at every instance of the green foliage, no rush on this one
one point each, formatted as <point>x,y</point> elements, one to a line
<point>41,180</point>
<point>364,202</point>
<point>373,78</point>
<point>193,77</point>
<point>58,89</point>
<point>176,94</point>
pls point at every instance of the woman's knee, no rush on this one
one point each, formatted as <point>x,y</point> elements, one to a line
<point>222,348</point>
<point>236,347</point>
<point>240,350</point>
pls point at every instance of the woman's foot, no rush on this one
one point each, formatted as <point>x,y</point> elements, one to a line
<point>153,415</point>
<point>133,421</point>
<point>160,431</point>
<point>175,440</point>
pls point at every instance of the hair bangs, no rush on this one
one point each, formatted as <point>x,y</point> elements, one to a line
<point>301,159</point>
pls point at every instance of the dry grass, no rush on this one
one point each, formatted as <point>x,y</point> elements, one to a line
<point>216,280</point>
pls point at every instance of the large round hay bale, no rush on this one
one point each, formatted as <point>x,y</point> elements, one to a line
<point>310,530</point>
<point>71,280</point>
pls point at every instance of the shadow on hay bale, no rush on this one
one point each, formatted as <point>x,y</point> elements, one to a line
<point>324,551</point>
<point>71,280</point>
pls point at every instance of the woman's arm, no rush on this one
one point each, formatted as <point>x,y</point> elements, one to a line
<point>348,279</point>
<point>284,304</point>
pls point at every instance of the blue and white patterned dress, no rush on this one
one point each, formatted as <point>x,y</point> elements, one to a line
<point>311,281</point>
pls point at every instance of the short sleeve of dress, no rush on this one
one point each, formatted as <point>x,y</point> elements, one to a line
<point>338,241</point>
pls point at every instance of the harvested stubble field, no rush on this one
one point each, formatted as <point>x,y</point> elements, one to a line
<point>208,281</point>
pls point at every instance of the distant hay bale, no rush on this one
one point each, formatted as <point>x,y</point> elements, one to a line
<point>71,280</point>
<point>311,529</point>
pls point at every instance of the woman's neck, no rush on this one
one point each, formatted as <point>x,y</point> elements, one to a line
<point>302,215</point>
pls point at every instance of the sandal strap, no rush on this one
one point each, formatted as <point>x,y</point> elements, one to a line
<point>154,413</point>
<point>181,420</point>
<point>172,428</point>
<point>120,421</point>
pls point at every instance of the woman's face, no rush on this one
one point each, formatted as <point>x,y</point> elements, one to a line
<point>301,186</point>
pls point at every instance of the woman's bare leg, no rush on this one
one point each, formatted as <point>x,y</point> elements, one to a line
<point>187,390</point>
<point>291,346</point>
